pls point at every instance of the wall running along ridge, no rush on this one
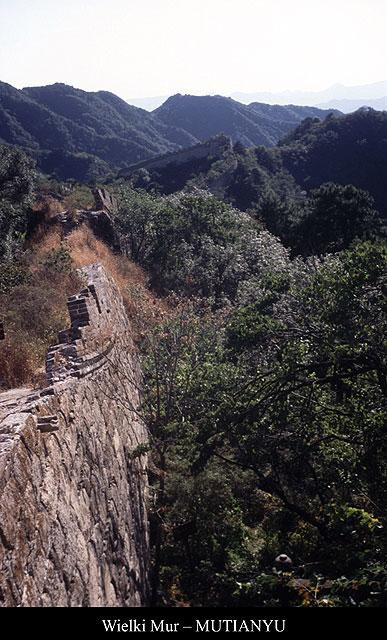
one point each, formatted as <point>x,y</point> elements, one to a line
<point>215,147</point>
<point>73,522</point>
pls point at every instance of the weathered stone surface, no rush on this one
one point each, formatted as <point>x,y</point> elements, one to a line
<point>73,523</point>
<point>102,224</point>
<point>105,200</point>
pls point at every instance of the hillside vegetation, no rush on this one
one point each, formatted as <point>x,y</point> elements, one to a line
<point>264,397</point>
<point>286,186</point>
<point>346,150</point>
<point>82,135</point>
<point>258,307</point>
<point>87,135</point>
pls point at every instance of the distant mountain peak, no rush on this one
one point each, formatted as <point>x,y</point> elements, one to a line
<point>255,124</point>
<point>83,134</point>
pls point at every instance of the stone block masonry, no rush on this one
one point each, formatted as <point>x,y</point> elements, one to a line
<point>73,520</point>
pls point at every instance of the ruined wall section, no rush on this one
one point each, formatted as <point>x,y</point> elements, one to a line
<point>73,522</point>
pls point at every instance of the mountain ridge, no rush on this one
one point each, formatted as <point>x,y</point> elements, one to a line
<point>345,149</point>
<point>337,91</point>
<point>58,119</point>
<point>254,124</point>
<point>86,136</point>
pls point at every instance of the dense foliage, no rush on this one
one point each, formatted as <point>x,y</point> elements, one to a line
<point>264,400</point>
<point>85,135</point>
<point>196,245</point>
<point>81,135</point>
<point>16,185</point>
<point>268,435</point>
<point>328,220</point>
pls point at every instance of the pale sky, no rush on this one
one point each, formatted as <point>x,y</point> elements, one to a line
<point>138,48</point>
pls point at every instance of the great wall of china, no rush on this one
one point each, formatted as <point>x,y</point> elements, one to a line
<point>73,492</point>
<point>214,147</point>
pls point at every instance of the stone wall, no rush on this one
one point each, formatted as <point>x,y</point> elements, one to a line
<point>215,147</point>
<point>73,522</point>
<point>104,200</point>
<point>100,221</point>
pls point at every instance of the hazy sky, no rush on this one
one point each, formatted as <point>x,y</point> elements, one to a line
<point>141,48</point>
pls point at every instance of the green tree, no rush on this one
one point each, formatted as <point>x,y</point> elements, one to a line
<point>283,398</point>
<point>195,244</point>
<point>308,418</point>
<point>16,187</point>
<point>337,216</point>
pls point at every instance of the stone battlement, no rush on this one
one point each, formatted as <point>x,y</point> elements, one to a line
<point>73,523</point>
<point>96,316</point>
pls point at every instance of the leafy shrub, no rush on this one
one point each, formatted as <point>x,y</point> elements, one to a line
<point>196,245</point>
<point>58,260</point>
<point>337,215</point>
<point>16,185</point>
<point>283,399</point>
<point>12,274</point>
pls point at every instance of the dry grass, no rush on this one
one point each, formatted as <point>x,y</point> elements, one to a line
<point>33,313</point>
<point>48,207</point>
<point>41,219</point>
<point>81,197</point>
<point>20,361</point>
<point>39,246</point>
<point>143,308</point>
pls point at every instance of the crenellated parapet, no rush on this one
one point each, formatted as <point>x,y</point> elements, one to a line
<point>73,522</point>
<point>97,317</point>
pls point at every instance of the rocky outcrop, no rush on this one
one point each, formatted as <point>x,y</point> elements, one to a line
<point>73,485</point>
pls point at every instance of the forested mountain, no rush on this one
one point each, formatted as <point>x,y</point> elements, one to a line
<point>109,115</point>
<point>349,149</point>
<point>59,125</point>
<point>84,135</point>
<point>206,116</point>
